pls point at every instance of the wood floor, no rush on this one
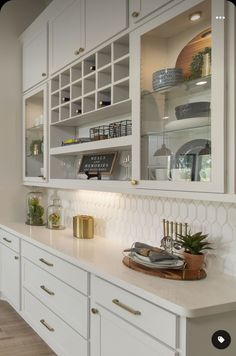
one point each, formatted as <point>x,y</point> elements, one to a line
<point>16,336</point>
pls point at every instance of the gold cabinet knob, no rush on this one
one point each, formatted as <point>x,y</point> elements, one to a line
<point>94,311</point>
<point>135,14</point>
<point>134,182</point>
<point>78,51</point>
<point>44,74</point>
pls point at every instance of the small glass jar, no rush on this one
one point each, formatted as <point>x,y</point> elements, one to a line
<point>35,209</point>
<point>55,216</point>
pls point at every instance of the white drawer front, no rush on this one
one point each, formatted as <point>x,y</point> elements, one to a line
<point>65,271</point>
<point>145,315</point>
<point>10,240</point>
<point>65,301</point>
<point>64,340</point>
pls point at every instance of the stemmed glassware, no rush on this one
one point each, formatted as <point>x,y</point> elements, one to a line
<point>125,161</point>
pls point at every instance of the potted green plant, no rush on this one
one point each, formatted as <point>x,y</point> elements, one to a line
<point>194,246</point>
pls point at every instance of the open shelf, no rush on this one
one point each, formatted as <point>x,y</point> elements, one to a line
<point>121,47</point>
<point>96,91</point>
<point>76,72</point>
<point>120,108</point>
<point>119,143</point>
<point>104,77</point>
<point>104,56</point>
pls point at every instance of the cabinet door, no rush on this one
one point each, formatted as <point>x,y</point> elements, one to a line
<point>35,135</point>
<point>141,8</point>
<point>66,35</point>
<point>178,86</point>
<point>110,335</point>
<point>35,59</point>
<point>10,275</point>
<point>104,19</point>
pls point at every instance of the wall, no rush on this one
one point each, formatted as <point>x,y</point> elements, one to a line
<point>15,16</point>
<point>131,218</point>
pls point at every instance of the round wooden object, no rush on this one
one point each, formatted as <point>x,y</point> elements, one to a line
<point>181,275</point>
<point>197,44</point>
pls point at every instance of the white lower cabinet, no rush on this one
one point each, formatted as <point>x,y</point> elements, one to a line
<point>64,340</point>
<point>62,299</point>
<point>110,335</point>
<point>10,276</point>
<point>124,324</point>
<point>55,301</point>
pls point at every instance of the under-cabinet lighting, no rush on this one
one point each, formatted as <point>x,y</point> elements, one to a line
<point>195,16</point>
<point>202,82</point>
<point>165,117</point>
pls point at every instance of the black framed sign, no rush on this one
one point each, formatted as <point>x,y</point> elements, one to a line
<point>102,163</point>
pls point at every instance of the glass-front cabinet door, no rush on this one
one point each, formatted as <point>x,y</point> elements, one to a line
<point>179,85</point>
<point>35,135</point>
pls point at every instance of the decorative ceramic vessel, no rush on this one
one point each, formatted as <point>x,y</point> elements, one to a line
<point>198,109</point>
<point>167,77</point>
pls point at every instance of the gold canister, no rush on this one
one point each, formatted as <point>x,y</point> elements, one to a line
<point>83,226</point>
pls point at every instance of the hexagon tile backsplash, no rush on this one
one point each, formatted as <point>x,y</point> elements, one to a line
<point>130,218</point>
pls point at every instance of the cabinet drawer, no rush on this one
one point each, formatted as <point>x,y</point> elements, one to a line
<point>10,240</point>
<point>65,271</point>
<point>65,301</point>
<point>145,315</point>
<point>64,340</point>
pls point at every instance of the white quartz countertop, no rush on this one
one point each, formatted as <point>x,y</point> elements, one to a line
<point>103,257</point>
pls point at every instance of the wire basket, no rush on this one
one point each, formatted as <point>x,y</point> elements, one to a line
<point>120,128</point>
<point>99,133</point>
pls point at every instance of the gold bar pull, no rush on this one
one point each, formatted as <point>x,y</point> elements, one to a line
<point>5,239</point>
<point>42,321</point>
<point>47,290</point>
<point>126,307</point>
<point>46,262</point>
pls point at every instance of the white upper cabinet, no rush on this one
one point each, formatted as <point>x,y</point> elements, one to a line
<point>104,19</point>
<point>66,35</point>
<point>178,85</point>
<point>141,8</point>
<point>35,58</point>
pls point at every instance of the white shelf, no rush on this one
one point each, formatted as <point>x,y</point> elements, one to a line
<point>119,108</point>
<point>35,128</point>
<point>119,143</point>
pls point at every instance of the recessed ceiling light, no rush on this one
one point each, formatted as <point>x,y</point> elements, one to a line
<point>202,82</point>
<point>195,16</point>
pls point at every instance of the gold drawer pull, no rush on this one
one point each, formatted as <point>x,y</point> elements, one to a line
<point>5,239</point>
<point>94,311</point>
<point>135,14</point>
<point>42,321</point>
<point>126,307</point>
<point>46,262</point>
<point>47,290</point>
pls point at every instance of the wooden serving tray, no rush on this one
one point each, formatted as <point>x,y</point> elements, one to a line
<point>177,274</point>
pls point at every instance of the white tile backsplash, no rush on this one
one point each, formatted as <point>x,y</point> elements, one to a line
<point>130,218</point>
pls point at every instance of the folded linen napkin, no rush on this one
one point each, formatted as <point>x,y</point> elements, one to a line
<point>155,254</point>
